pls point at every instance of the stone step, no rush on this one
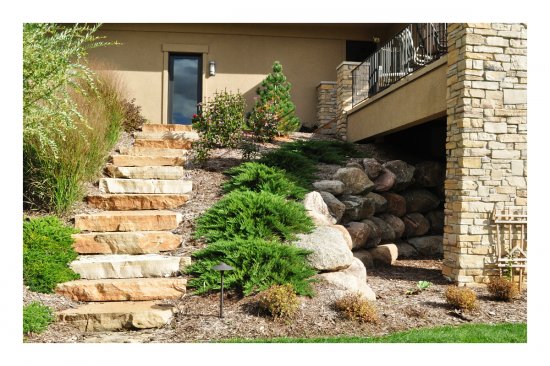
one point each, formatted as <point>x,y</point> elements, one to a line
<point>134,242</point>
<point>95,267</point>
<point>144,172</point>
<point>128,221</point>
<point>134,201</point>
<point>134,160</point>
<point>117,185</point>
<point>151,151</point>
<point>157,127</point>
<point>114,316</point>
<point>166,135</point>
<point>164,144</point>
<point>126,289</point>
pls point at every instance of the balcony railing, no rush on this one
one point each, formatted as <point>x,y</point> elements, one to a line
<point>414,47</point>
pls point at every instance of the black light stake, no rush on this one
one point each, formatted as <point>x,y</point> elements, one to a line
<point>222,267</point>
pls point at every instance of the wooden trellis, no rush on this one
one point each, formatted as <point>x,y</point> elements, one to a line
<point>511,241</point>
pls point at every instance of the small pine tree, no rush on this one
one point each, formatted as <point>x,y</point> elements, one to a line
<point>274,95</point>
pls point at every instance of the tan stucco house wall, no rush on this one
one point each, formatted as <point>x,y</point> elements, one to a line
<point>244,54</point>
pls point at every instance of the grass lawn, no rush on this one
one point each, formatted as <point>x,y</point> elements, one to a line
<point>469,333</point>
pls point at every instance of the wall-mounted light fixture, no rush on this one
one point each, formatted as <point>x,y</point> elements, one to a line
<point>212,68</point>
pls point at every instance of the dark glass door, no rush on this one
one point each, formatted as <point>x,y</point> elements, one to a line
<point>185,87</point>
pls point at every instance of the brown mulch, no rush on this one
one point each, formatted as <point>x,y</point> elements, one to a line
<point>198,321</point>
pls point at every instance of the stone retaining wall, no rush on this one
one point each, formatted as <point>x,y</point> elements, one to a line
<point>486,141</point>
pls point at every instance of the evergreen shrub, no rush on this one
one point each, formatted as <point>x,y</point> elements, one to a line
<point>258,265</point>
<point>323,151</point>
<point>248,215</point>
<point>298,167</point>
<point>273,109</point>
<point>258,177</point>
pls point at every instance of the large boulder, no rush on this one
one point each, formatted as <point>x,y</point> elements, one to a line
<point>317,209</point>
<point>386,231</point>
<point>355,180</point>
<point>380,203</point>
<point>364,256</point>
<point>334,205</point>
<point>437,221</point>
<point>384,254</point>
<point>375,235</point>
<point>357,208</point>
<point>354,164</point>
<point>329,246</point>
<point>395,223</point>
<point>345,234</point>
<point>415,225</point>
<point>351,280</point>
<point>359,233</point>
<point>331,186</point>
<point>420,200</point>
<point>404,173</point>
<point>405,250</point>
<point>429,174</point>
<point>372,168</point>
<point>428,245</point>
<point>396,204</point>
<point>385,181</point>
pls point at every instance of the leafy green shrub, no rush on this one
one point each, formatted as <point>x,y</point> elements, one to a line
<point>36,318</point>
<point>219,123</point>
<point>47,251</point>
<point>258,177</point>
<point>280,301</point>
<point>461,297</point>
<point>356,307</point>
<point>274,107</point>
<point>263,121</point>
<point>133,120</point>
<point>248,215</point>
<point>258,265</point>
<point>502,289</point>
<point>323,151</point>
<point>299,168</point>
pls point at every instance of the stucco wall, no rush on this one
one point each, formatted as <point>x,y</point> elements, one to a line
<point>244,55</point>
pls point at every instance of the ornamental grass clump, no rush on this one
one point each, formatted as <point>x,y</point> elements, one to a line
<point>250,215</point>
<point>462,298</point>
<point>47,252</point>
<point>356,307</point>
<point>258,265</point>
<point>259,177</point>
<point>280,302</point>
<point>36,318</point>
<point>502,289</point>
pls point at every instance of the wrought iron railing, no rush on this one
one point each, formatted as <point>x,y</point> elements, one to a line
<point>412,48</point>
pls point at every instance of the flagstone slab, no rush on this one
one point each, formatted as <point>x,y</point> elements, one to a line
<point>129,220</point>
<point>133,242</point>
<point>166,186</point>
<point>135,160</point>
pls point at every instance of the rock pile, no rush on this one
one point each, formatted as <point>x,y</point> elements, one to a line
<point>392,209</point>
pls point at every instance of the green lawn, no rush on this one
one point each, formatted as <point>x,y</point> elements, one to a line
<point>469,333</point>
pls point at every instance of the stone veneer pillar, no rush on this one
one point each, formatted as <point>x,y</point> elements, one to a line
<point>343,96</point>
<point>326,106</point>
<point>486,141</point>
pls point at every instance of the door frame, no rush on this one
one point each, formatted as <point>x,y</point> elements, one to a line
<point>172,48</point>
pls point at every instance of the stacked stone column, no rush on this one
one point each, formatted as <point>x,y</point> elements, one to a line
<point>326,107</point>
<point>486,141</point>
<point>344,92</point>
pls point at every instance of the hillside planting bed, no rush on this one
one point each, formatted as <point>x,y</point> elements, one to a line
<point>197,319</point>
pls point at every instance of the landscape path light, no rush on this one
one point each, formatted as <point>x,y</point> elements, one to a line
<point>222,267</point>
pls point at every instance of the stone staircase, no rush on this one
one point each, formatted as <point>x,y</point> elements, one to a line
<point>124,276</point>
